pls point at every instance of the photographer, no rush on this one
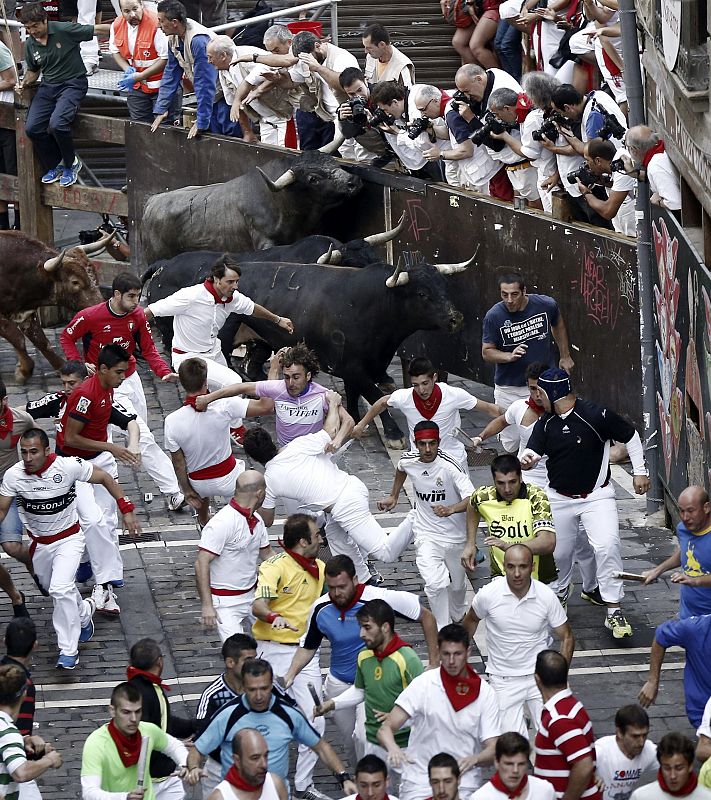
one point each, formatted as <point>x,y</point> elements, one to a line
<point>401,129</point>
<point>512,109</point>
<point>607,166</point>
<point>355,118</point>
<point>647,151</point>
<point>599,115</point>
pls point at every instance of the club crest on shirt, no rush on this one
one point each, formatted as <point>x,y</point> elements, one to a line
<point>462,688</point>
<point>83,405</point>
<point>57,478</point>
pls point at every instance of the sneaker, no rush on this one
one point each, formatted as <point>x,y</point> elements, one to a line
<point>593,596</point>
<point>376,579</point>
<point>111,607</point>
<point>71,174</point>
<point>87,631</point>
<point>67,662</point>
<point>20,610</point>
<point>91,69</point>
<point>118,584</point>
<point>618,625</point>
<point>98,596</point>
<point>84,573</point>
<point>53,175</point>
<point>563,598</point>
<point>311,793</point>
<point>176,501</point>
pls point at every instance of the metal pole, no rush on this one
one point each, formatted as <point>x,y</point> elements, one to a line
<point>334,23</point>
<point>645,259</point>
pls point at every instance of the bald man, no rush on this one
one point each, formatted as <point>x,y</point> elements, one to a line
<point>232,545</point>
<point>248,778</point>
<point>692,554</point>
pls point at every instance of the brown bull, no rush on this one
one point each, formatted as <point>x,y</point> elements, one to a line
<point>33,275</point>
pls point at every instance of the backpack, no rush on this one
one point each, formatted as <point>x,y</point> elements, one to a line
<point>254,34</point>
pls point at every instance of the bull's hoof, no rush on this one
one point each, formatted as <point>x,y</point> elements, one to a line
<point>23,375</point>
<point>397,444</point>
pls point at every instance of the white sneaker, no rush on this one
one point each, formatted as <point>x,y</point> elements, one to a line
<point>111,607</point>
<point>176,501</point>
<point>98,596</point>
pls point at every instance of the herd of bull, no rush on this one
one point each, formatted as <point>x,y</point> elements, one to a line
<point>346,303</point>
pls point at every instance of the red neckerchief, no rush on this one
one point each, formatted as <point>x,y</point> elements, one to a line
<point>443,103</point>
<point>533,405</point>
<point>190,401</point>
<point>461,691</point>
<point>685,790</point>
<point>129,747</point>
<point>210,286</point>
<point>658,148</point>
<point>47,464</point>
<point>497,783</point>
<point>247,513</point>
<point>309,564</point>
<point>6,423</point>
<point>428,408</point>
<point>131,672</point>
<point>391,647</point>
<point>360,588</point>
<point>523,106</point>
<point>235,779</point>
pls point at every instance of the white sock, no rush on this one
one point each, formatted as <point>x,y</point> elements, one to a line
<point>611,610</point>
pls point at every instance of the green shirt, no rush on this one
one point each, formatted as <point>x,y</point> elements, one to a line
<point>101,758</point>
<point>383,681</point>
<point>12,756</point>
<point>59,60</point>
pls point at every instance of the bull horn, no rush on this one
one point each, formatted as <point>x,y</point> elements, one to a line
<point>387,236</point>
<point>281,182</point>
<point>325,258</point>
<point>399,277</point>
<point>52,264</point>
<point>450,269</point>
<point>331,147</point>
<point>336,257</point>
<point>94,247</point>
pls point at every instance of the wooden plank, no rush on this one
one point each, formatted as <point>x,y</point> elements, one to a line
<point>9,189</point>
<point>37,218</point>
<point>7,116</point>
<point>111,130</point>
<point>85,198</point>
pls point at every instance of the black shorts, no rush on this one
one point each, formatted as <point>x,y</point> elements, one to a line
<point>8,152</point>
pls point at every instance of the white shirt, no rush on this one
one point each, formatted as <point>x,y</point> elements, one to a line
<point>256,78</point>
<point>664,180</point>
<point>653,791</point>
<point>514,415</point>
<point>705,728</point>
<point>543,160</point>
<point>337,59</point>
<point>435,727</point>
<point>447,416</point>
<point>619,773</point>
<point>537,789</point>
<point>227,536</point>
<point>231,79</point>
<point>442,482</point>
<point>160,41</point>
<point>624,221</point>
<point>204,436</point>
<point>605,102</point>
<point>198,318</point>
<point>46,501</point>
<point>303,472</point>
<point>516,630</point>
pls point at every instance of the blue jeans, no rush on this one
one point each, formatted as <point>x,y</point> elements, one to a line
<point>49,120</point>
<point>507,44</point>
<point>11,527</point>
<point>313,131</point>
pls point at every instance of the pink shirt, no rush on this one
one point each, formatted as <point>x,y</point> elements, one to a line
<point>295,416</point>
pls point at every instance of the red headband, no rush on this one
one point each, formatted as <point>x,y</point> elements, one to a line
<point>427,433</point>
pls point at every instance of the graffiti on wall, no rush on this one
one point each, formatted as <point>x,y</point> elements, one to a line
<point>606,283</point>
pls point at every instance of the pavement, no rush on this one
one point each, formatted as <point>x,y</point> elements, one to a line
<point>160,600</point>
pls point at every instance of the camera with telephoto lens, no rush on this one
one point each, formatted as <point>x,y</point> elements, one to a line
<point>618,165</point>
<point>490,124</point>
<point>583,174</point>
<point>461,99</point>
<point>549,128</point>
<point>357,106</point>
<point>381,117</point>
<point>418,126</point>
<point>612,127</point>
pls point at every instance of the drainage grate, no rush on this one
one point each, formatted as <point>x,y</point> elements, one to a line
<point>143,536</point>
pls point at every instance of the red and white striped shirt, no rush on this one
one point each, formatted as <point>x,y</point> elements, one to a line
<point>564,737</point>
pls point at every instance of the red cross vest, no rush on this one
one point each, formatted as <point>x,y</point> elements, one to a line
<point>144,51</point>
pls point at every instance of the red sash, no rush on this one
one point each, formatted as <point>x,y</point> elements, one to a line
<point>428,408</point>
<point>247,513</point>
<point>309,564</point>
<point>235,779</point>
<point>391,647</point>
<point>210,286</point>
<point>497,783</point>
<point>685,790</point>
<point>190,401</point>
<point>461,691</point>
<point>129,747</point>
<point>360,588</point>
<point>658,148</point>
<point>132,672</point>
<point>6,423</point>
<point>215,471</point>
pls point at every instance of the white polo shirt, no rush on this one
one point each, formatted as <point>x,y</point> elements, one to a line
<point>301,471</point>
<point>516,630</point>
<point>337,59</point>
<point>514,415</point>
<point>442,482</point>
<point>447,416</point>
<point>227,536</point>
<point>435,727</point>
<point>536,789</point>
<point>619,773</point>
<point>664,180</point>
<point>204,436</point>
<point>198,318</point>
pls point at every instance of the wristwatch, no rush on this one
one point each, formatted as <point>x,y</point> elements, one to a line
<point>342,777</point>
<point>255,56</point>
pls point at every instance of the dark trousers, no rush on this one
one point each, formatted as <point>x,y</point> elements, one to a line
<point>507,44</point>
<point>140,105</point>
<point>584,213</point>
<point>432,171</point>
<point>208,12</point>
<point>220,121</point>
<point>313,131</point>
<point>49,120</point>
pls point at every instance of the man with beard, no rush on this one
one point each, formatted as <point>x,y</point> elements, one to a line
<point>249,778</point>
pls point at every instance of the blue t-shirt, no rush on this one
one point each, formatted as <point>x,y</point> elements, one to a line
<point>694,635</point>
<point>532,326</point>
<point>280,724</point>
<point>695,560</point>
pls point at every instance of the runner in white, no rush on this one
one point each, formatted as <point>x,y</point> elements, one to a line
<point>231,546</point>
<point>621,759</point>
<point>44,486</point>
<point>199,441</point>
<point>249,778</point>
<point>443,490</point>
<point>511,779</point>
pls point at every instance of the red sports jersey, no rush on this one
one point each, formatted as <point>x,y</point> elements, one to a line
<point>565,736</point>
<point>98,326</point>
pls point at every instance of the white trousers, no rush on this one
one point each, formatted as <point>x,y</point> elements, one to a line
<point>87,16</point>
<point>170,789</point>
<point>279,656</point>
<point>213,776</point>
<point>29,791</point>
<point>219,487</point>
<point>349,721</point>
<point>272,133</point>
<point>597,513</point>
<point>219,374</point>
<point>155,462</point>
<point>504,396</point>
<point>340,543</point>
<point>234,614</point>
<point>524,182</point>
<point>55,566</point>
<point>352,513</point>
<point>515,694</point>
<point>445,579</point>
<point>98,518</point>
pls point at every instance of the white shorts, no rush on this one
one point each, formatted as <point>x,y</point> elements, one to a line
<point>218,487</point>
<point>524,182</point>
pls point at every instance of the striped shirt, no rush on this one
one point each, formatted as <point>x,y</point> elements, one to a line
<point>217,695</point>
<point>564,737</point>
<point>12,756</point>
<point>27,710</point>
